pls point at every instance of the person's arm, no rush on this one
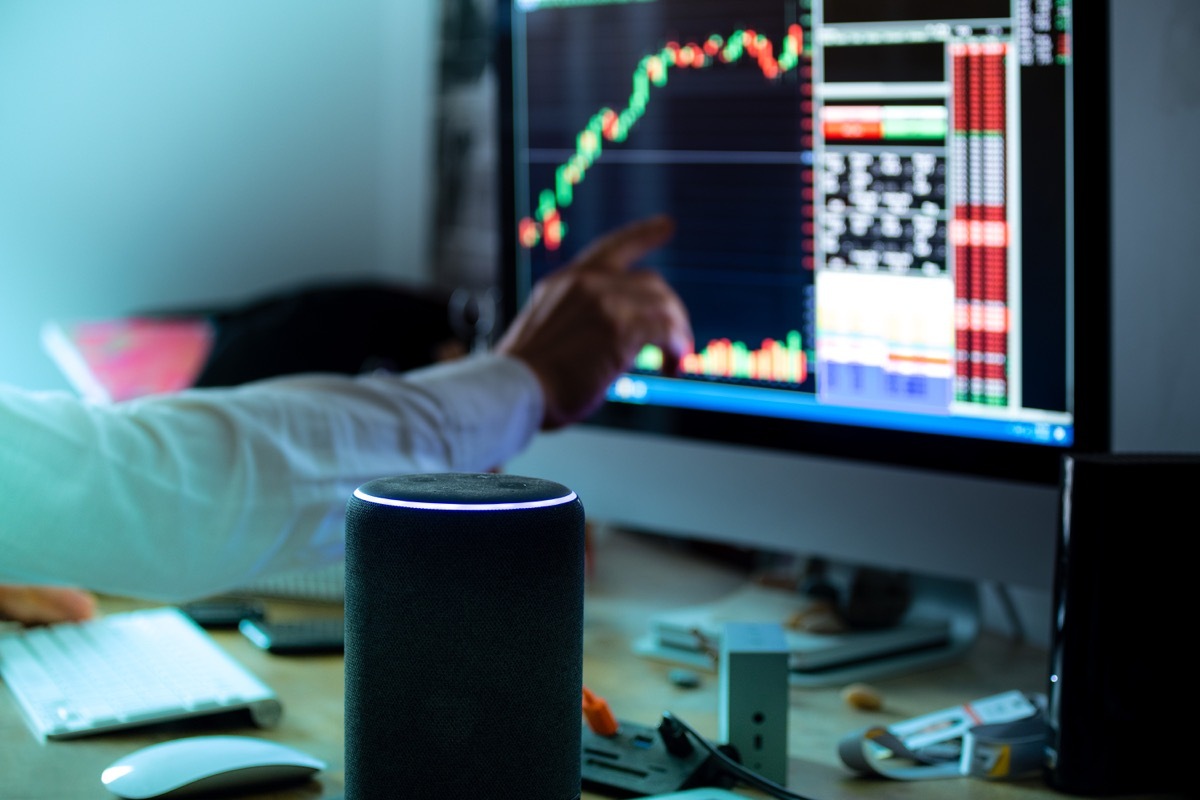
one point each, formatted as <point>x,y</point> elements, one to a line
<point>178,496</point>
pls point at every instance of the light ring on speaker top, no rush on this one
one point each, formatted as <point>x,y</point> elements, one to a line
<point>388,501</point>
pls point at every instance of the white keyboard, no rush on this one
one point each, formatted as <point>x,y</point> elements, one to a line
<point>127,669</point>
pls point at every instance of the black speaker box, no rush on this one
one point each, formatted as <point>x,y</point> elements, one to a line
<point>464,638</point>
<point>1124,594</point>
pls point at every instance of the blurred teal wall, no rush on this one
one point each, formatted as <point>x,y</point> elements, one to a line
<point>173,152</point>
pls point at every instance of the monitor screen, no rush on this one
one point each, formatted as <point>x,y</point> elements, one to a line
<point>876,204</point>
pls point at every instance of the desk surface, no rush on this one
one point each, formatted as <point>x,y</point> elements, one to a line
<point>633,577</point>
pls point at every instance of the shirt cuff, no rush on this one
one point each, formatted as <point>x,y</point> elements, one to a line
<point>495,407</point>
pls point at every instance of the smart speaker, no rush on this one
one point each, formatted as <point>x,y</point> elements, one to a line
<point>464,638</point>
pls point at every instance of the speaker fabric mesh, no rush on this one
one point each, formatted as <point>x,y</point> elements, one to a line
<point>464,639</point>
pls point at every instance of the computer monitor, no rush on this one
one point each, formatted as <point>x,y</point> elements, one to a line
<point>892,238</point>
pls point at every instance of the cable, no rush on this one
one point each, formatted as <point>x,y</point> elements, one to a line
<point>732,767</point>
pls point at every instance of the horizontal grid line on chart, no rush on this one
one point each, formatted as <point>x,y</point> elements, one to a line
<point>546,155</point>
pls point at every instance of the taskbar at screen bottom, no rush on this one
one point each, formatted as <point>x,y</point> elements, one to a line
<point>1045,428</point>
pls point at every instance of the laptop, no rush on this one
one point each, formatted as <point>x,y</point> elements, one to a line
<point>110,360</point>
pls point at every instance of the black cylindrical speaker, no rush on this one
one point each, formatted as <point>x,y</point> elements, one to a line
<point>464,638</point>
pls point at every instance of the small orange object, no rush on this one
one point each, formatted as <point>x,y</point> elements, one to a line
<point>598,715</point>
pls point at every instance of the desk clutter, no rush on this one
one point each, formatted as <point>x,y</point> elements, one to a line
<point>928,718</point>
<point>940,625</point>
<point>627,759</point>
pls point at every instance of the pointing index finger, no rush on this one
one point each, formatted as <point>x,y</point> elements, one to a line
<point>622,248</point>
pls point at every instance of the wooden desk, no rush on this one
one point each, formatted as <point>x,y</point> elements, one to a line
<point>633,578</point>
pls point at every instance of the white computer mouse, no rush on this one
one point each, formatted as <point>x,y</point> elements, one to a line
<point>206,763</point>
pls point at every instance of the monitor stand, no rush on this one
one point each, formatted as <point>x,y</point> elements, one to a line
<point>941,624</point>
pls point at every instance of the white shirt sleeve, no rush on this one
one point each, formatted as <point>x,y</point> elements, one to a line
<point>178,496</point>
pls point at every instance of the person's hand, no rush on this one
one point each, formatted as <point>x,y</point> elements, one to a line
<point>42,605</point>
<point>585,323</point>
